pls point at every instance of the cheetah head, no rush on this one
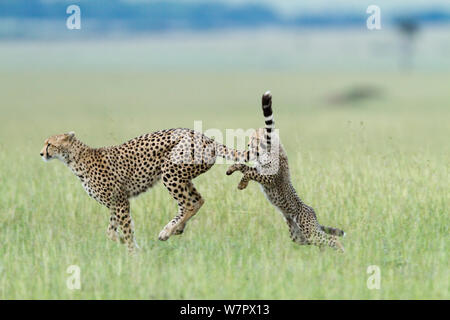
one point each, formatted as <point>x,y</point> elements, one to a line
<point>57,146</point>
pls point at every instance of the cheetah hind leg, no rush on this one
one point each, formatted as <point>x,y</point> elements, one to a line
<point>177,225</point>
<point>178,231</point>
<point>189,202</point>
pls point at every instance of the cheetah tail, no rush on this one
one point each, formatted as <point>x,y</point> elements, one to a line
<point>268,116</point>
<point>232,154</point>
<point>333,231</point>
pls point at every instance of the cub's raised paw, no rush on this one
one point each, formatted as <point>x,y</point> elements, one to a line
<point>243,184</point>
<point>233,168</point>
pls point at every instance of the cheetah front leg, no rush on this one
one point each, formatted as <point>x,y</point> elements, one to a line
<point>112,231</point>
<point>126,224</point>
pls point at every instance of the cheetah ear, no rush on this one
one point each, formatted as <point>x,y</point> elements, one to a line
<point>70,135</point>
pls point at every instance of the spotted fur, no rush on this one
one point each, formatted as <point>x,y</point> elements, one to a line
<point>113,175</point>
<point>272,172</point>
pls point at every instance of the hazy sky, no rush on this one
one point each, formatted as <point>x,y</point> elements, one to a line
<point>296,6</point>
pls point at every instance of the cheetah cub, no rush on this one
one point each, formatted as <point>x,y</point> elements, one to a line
<point>113,175</point>
<point>272,172</point>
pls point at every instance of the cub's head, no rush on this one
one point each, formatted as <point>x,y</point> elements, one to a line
<point>259,141</point>
<point>258,146</point>
<point>57,146</point>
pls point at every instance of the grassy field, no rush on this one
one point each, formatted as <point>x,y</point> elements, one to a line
<point>377,168</point>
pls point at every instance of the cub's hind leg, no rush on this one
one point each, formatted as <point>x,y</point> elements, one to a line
<point>295,232</point>
<point>321,239</point>
<point>312,230</point>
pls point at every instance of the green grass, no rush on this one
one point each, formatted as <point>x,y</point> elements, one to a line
<point>377,169</point>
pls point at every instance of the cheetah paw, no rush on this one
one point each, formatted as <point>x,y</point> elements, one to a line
<point>243,184</point>
<point>230,171</point>
<point>116,237</point>
<point>164,235</point>
<point>178,232</point>
<point>134,251</point>
<point>233,168</point>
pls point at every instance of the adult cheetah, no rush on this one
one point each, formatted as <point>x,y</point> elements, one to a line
<point>113,175</point>
<point>272,172</point>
